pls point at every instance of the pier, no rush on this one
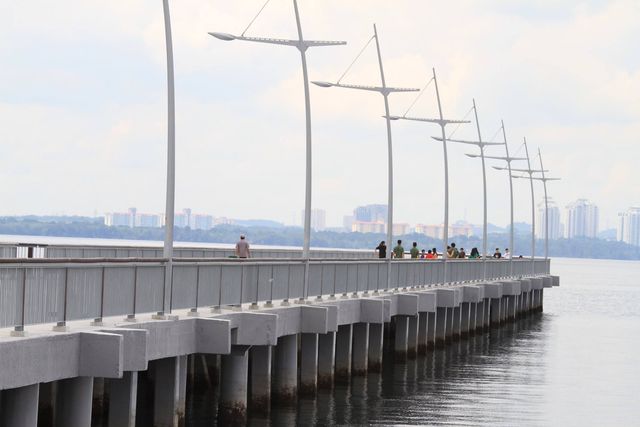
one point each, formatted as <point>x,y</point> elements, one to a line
<point>85,337</point>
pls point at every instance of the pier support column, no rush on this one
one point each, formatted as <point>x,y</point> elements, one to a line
<point>541,306</point>
<point>376,342</point>
<point>169,391</point>
<point>450,321</point>
<point>360,349</point>
<point>98,405</point>
<point>286,374</point>
<point>464,319</point>
<point>123,395</point>
<point>487,314</point>
<point>480,308</point>
<point>344,342</point>
<point>504,309</point>
<point>233,385</point>
<point>326,359</point>
<point>412,337</point>
<point>260,356</point>
<point>308,364</point>
<point>441,327</point>
<point>473,307</point>
<point>495,312</point>
<point>431,330</point>
<point>457,312</point>
<point>423,326</point>
<point>511,313</point>
<point>19,406</point>
<point>74,399</point>
<point>401,337</point>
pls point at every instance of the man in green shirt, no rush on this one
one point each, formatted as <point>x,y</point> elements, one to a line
<point>414,251</point>
<point>398,251</point>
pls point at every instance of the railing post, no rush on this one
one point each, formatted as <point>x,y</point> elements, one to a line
<point>194,310</point>
<point>62,326</point>
<point>18,330</point>
<point>218,308</point>
<point>269,303</point>
<point>132,317</point>
<point>254,304</point>
<point>98,320</point>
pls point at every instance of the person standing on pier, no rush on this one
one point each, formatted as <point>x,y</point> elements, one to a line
<point>382,250</point>
<point>497,253</point>
<point>398,251</point>
<point>242,248</point>
<point>507,254</point>
<point>414,251</point>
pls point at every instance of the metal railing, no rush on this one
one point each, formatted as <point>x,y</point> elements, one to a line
<point>101,251</point>
<point>47,290</point>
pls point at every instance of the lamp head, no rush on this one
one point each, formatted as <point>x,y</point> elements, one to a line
<point>224,36</point>
<point>322,84</point>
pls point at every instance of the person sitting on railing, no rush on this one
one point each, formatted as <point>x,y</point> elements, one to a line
<point>462,254</point>
<point>430,255</point>
<point>507,254</point>
<point>497,254</point>
<point>474,253</point>
<point>434,252</point>
<point>398,251</point>
<point>423,254</point>
<point>452,251</point>
<point>414,251</point>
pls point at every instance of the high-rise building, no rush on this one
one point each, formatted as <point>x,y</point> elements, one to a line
<point>347,222</point>
<point>201,222</point>
<point>116,219</point>
<point>148,220</point>
<point>582,219</point>
<point>554,221</point>
<point>370,213</point>
<point>133,212</point>
<point>629,226</point>
<point>318,219</point>
<point>182,219</point>
<point>368,227</point>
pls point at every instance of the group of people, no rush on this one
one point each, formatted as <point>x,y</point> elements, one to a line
<point>452,252</point>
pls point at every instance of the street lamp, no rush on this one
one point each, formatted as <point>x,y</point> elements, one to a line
<point>385,91</point>
<point>443,123</point>
<point>530,172</point>
<point>507,159</point>
<point>544,180</point>
<point>481,144</point>
<point>302,45</point>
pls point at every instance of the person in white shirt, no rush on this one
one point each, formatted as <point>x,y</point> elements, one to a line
<point>507,254</point>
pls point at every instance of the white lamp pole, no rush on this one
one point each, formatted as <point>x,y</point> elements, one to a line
<point>544,180</point>
<point>385,91</point>
<point>443,123</point>
<point>167,252</point>
<point>481,144</point>
<point>302,45</point>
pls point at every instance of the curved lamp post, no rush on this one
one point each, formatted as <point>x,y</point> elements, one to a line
<point>385,91</point>
<point>443,123</point>
<point>302,45</point>
<point>507,159</point>
<point>544,180</point>
<point>481,144</point>
<point>530,172</point>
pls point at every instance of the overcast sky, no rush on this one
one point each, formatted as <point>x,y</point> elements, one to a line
<point>83,105</point>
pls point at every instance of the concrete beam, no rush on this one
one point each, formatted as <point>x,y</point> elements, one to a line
<point>556,280</point>
<point>547,281</point>
<point>446,298</point>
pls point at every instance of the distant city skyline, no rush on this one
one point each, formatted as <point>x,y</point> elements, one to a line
<point>84,130</point>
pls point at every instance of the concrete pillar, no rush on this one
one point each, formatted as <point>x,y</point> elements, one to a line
<point>473,307</point>
<point>286,374</point>
<point>457,313</point>
<point>449,326</point>
<point>511,304</point>
<point>495,312</point>
<point>360,349</point>
<point>73,402</point>
<point>464,319</point>
<point>233,385</point>
<point>19,406</point>
<point>261,378</point>
<point>308,364</point>
<point>504,309</point>
<point>344,341</point>
<point>487,314</point>
<point>412,337</point>
<point>47,403</point>
<point>441,326</point>
<point>423,322</point>
<point>99,403</point>
<point>170,375</point>
<point>401,337</point>
<point>541,306</point>
<point>376,341</point>
<point>123,395</point>
<point>480,308</point>
<point>326,359</point>
<point>431,330</point>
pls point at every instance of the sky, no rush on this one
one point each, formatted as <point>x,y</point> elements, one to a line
<point>83,106</point>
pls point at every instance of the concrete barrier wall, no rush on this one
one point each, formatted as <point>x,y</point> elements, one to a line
<point>43,291</point>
